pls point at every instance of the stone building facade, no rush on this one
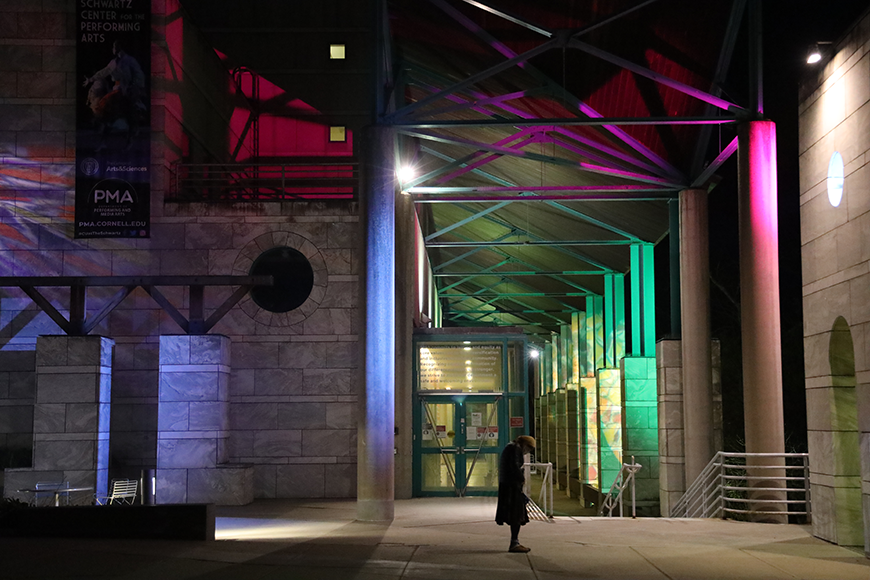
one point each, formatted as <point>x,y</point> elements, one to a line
<point>835,221</point>
<point>288,413</point>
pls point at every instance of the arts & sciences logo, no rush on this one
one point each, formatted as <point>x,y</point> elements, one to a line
<point>90,166</point>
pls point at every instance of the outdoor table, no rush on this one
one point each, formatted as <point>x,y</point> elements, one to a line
<point>57,492</point>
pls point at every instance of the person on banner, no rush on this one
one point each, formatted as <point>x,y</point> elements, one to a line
<point>511,508</point>
<point>116,93</point>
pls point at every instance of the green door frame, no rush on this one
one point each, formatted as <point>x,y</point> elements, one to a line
<point>506,402</point>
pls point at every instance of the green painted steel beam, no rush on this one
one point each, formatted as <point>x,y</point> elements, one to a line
<point>596,222</point>
<point>531,243</point>
<point>521,273</point>
<point>466,255</point>
<point>509,294</point>
<point>466,221</point>
<point>484,272</point>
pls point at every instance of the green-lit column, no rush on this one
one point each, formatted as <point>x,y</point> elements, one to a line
<point>594,334</point>
<point>614,319</point>
<point>565,350</point>
<point>643,316</point>
<point>640,439</point>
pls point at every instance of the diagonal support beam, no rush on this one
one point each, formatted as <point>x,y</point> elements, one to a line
<point>657,77</point>
<point>585,109</point>
<point>47,307</point>
<point>714,166</point>
<point>579,165</point>
<point>404,112</point>
<point>465,221</point>
<point>596,222</point>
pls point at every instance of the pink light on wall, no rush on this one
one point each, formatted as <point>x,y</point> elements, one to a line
<point>762,200</point>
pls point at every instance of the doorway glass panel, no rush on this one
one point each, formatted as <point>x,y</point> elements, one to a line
<point>437,472</point>
<point>438,425</point>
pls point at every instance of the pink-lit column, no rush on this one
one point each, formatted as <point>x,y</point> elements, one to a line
<point>695,332</point>
<point>759,300</point>
<point>375,440</point>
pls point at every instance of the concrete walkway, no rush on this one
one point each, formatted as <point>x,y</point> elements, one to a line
<point>450,539</point>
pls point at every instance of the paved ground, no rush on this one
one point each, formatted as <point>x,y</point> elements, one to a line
<point>451,539</point>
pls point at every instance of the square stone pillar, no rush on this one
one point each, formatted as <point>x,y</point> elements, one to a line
<point>669,395</point>
<point>70,415</point>
<point>193,424</point>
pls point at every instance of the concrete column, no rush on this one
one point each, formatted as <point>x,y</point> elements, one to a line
<point>759,290</point>
<point>407,301</point>
<point>674,265</point>
<point>695,331</point>
<point>376,464</point>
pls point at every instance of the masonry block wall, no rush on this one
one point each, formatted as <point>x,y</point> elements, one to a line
<point>835,248</point>
<point>672,456</point>
<point>71,415</point>
<point>641,429</point>
<point>292,388</point>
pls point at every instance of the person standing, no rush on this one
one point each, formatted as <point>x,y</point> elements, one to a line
<point>511,508</point>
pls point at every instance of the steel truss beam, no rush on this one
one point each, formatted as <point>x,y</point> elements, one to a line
<point>582,107</point>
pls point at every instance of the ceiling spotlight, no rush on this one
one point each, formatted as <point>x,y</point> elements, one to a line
<point>534,353</point>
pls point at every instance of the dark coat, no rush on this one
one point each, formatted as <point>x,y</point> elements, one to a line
<point>511,507</point>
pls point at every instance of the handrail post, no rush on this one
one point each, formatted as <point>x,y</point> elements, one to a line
<point>633,504</point>
<point>722,481</point>
<point>807,489</point>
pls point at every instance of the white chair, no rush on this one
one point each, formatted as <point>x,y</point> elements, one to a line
<point>121,491</point>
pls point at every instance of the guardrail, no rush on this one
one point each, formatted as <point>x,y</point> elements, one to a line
<point>299,179</point>
<point>544,505</point>
<point>736,485</point>
<point>624,479</point>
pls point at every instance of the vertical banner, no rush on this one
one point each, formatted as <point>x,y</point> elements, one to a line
<point>113,118</point>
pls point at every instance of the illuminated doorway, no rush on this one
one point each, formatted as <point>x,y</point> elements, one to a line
<point>469,401</point>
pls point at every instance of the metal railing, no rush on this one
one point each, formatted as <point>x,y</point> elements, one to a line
<point>543,508</point>
<point>741,485</point>
<point>299,179</point>
<point>624,479</point>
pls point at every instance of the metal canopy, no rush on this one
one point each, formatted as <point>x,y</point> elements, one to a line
<point>547,135</point>
<point>548,138</point>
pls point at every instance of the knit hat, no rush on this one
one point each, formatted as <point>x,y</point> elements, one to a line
<point>526,440</point>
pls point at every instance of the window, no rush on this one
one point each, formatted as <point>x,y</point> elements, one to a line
<point>337,134</point>
<point>336,51</point>
<point>293,277</point>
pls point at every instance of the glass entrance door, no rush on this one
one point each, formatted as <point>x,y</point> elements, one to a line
<point>458,441</point>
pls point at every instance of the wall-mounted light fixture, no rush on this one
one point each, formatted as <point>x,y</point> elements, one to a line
<point>815,53</point>
<point>405,173</point>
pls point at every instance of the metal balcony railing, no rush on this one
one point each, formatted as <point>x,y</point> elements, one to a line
<point>747,485</point>
<point>298,179</point>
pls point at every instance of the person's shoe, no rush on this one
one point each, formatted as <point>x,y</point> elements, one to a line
<point>519,548</point>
